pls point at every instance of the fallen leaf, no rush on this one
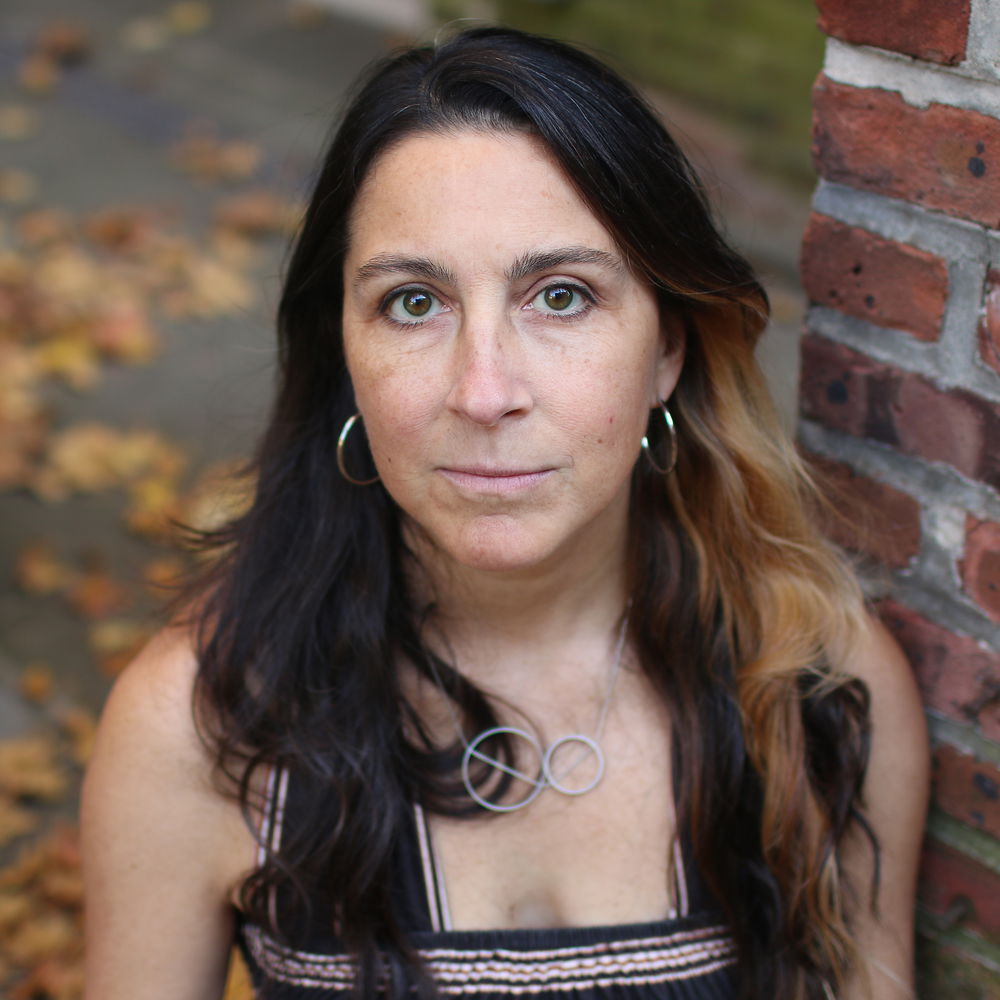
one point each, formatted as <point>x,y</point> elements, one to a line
<point>96,594</point>
<point>80,725</point>
<point>14,907</point>
<point>90,457</point>
<point>238,983</point>
<point>258,213</point>
<point>144,34</point>
<point>66,42</point>
<point>73,359</point>
<point>212,288</point>
<point>153,501</point>
<point>45,936</point>
<point>64,887</point>
<point>17,122</point>
<point>201,153</point>
<point>82,456</point>
<point>189,17</point>
<point>17,187</point>
<point>122,331</point>
<point>43,227</point>
<point>29,768</point>
<point>39,571</point>
<point>122,230</point>
<point>116,643</point>
<point>36,682</point>
<point>163,573</point>
<point>53,979</point>
<point>38,74</point>
<point>15,821</point>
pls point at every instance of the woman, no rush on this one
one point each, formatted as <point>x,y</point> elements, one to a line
<point>526,671</point>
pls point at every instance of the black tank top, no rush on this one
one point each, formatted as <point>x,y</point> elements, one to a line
<point>688,955</point>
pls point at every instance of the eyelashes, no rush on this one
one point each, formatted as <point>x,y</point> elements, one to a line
<point>563,300</point>
<point>410,306</point>
<point>415,305</point>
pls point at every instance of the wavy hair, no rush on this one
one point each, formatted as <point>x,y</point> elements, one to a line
<point>743,615</point>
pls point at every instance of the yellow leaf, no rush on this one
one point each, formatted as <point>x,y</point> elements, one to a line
<point>17,121</point>
<point>115,643</point>
<point>80,725</point>
<point>72,359</point>
<point>189,17</point>
<point>29,767</point>
<point>43,936</point>
<point>15,821</point>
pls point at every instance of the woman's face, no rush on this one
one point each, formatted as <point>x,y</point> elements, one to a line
<point>503,357</point>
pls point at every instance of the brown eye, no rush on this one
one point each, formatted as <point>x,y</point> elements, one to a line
<point>416,303</point>
<point>558,298</point>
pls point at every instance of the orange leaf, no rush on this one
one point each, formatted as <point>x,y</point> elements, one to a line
<point>39,571</point>
<point>36,682</point>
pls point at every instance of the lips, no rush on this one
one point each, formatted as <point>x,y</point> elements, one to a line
<point>491,481</point>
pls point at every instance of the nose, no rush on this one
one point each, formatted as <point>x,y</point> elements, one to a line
<point>488,381</point>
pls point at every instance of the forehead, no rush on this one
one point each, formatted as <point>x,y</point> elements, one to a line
<point>470,190</point>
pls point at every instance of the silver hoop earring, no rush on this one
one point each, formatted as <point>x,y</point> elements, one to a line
<point>672,431</point>
<point>345,430</point>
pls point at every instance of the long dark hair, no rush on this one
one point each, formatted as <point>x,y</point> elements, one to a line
<point>742,614</point>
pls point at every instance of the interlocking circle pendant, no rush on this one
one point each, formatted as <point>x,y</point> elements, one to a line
<point>472,750</point>
<point>591,745</point>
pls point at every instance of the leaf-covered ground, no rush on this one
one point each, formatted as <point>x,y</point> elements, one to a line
<point>147,192</point>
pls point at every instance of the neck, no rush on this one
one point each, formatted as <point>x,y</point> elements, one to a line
<point>498,621</point>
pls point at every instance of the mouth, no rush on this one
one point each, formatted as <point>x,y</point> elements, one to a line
<point>491,481</point>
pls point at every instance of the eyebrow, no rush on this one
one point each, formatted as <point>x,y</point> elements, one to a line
<point>526,265</point>
<point>388,263</point>
<point>544,260</point>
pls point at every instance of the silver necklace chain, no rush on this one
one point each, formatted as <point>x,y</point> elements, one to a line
<point>546,777</point>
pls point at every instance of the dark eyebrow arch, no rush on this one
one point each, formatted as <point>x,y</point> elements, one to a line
<point>387,263</point>
<point>545,260</point>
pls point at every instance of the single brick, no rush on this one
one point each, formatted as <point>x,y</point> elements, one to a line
<point>935,30</point>
<point>989,327</point>
<point>850,392</point>
<point>967,788</point>
<point>980,568</point>
<point>869,516</point>
<point>941,157</point>
<point>946,874</point>
<point>958,677</point>
<point>862,274</point>
<point>835,383</point>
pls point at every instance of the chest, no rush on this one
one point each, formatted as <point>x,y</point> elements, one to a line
<point>603,857</point>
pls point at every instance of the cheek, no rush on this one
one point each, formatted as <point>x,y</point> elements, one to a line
<point>397,411</point>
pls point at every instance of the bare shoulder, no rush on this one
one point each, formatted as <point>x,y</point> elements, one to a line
<point>147,731</point>
<point>895,804</point>
<point>896,705</point>
<point>163,846</point>
<point>149,749</point>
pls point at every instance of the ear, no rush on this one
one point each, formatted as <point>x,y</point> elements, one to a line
<point>673,341</point>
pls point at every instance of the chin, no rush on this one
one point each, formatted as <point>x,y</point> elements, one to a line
<point>500,548</point>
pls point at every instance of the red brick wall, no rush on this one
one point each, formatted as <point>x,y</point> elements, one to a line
<point>900,406</point>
